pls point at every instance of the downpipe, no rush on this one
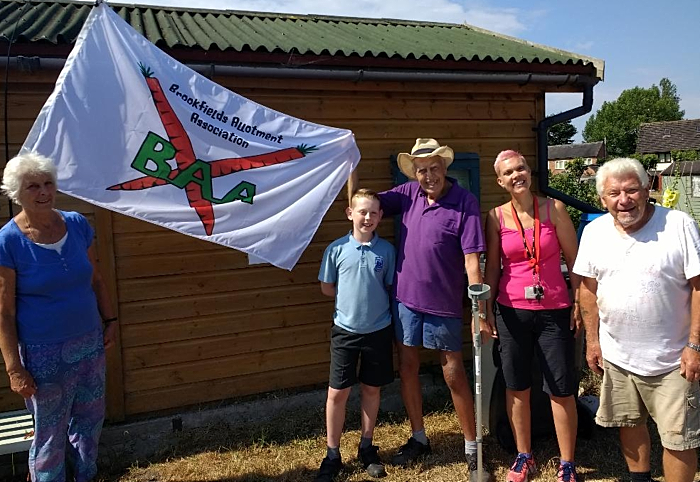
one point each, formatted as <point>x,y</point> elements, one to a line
<point>543,159</point>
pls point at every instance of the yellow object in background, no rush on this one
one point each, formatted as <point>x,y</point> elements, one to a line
<point>670,198</point>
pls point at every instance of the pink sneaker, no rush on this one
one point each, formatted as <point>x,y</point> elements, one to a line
<point>567,473</point>
<point>522,469</point>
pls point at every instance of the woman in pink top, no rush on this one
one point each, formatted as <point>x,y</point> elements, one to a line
<point>526,236</point>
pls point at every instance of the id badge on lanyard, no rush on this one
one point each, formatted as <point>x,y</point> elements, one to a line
<point>532,253</point>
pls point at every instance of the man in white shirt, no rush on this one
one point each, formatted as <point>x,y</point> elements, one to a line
<point>640,302</point>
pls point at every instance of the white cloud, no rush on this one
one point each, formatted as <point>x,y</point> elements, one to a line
<point>583,46</point>
<point>509,21</point>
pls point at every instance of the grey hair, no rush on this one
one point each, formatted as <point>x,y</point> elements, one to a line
<point>17,168</point>
<point>619,168</point>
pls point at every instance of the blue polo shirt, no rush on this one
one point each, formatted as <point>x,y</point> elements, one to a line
<point>361,274</point>
<point>433,240</point>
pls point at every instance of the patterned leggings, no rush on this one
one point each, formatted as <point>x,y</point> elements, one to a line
<point>68,406</point>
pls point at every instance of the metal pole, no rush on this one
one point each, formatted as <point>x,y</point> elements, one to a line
<point>478,292</point>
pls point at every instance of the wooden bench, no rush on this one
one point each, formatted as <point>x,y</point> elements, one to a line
<point>16,431</point>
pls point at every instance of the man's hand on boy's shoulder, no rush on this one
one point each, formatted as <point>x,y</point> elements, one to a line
<point>328,289</point>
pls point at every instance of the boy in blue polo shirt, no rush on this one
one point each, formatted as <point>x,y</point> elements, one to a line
<point>358,270</point>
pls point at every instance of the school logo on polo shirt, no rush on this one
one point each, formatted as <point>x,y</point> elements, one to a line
<point>378,263</point>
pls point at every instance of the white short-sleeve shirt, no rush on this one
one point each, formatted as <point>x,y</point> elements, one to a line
<point>643,289</point>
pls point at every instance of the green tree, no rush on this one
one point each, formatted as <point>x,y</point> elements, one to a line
<point>569,182</point>
<point>562,133</point>
<point>617,122</point>
<point>689,155</point>
<point>649,161</point>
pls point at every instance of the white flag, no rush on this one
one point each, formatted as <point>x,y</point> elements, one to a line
<point>134,131</point>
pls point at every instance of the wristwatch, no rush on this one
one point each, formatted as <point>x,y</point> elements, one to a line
<point>482,315</point>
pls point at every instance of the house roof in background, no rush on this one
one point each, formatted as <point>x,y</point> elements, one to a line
<point>57,23</point>
<point>686,168</point>
<point>572,151</point>
<point>667,136</point>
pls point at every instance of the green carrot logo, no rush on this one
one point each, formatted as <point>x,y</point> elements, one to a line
<point>193,175</point>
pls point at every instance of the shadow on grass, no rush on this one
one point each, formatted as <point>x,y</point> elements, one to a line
<point>292,475</point>
<point>306,424</point>
<point>223,437</point>
<point>602,457</point>
<point>598,457</point>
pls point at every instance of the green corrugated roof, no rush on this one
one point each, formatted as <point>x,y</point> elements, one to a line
<point>60,22</point>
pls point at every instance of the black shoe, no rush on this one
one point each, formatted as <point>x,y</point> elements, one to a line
<point>371,461</point>
<point>329,469</point>
<point>412,451</point>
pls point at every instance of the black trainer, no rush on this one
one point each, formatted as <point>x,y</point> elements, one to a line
<point>371,461</point>
<point>329,469</point>
<point>412,451</point>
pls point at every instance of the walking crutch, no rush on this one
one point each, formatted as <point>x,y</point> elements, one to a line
<point>478,292</point>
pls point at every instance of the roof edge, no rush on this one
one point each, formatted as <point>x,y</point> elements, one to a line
<point>599,64</point>
<point>593,64</point>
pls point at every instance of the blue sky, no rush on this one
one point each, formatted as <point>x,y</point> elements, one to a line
<point>641,41</point>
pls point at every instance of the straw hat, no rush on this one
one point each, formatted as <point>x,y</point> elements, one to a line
<point>424,148</point>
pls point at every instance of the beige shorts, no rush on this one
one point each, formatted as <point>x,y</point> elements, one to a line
<point>627,400</point>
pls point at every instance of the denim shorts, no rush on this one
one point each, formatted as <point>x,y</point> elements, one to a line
<point>413,328</point>
<point>627,399</point>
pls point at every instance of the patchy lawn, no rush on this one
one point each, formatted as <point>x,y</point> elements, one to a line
<point>291,447</point>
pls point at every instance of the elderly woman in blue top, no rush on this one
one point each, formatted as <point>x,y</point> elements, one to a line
<point>52,305</point>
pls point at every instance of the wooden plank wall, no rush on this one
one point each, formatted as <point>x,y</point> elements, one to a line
<point>197,323</point>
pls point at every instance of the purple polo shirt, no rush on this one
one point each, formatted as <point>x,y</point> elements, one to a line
<point>432,243</point>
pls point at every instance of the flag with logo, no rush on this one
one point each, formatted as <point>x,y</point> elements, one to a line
<point>134,131</point>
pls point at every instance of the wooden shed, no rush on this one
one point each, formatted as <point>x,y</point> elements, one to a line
<point>197,323</point>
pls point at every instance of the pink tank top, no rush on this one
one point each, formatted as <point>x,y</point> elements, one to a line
<point>517,273</point>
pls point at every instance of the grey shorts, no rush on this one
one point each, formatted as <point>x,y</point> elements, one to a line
<point>627,400</point>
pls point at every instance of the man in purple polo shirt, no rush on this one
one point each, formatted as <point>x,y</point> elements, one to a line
<point>440,238</point>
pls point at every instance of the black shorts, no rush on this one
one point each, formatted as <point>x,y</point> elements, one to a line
<point>521,333</point>
<point>373,351</point>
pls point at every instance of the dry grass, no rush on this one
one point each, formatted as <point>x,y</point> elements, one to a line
<point>589,383</point>
<point>291,448</point>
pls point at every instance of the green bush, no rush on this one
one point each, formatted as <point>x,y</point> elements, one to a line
<point>569,182</point>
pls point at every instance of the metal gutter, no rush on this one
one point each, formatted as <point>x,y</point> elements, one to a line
<point>542,157</point>
<point>348,74</point>
<point>370,75</point>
